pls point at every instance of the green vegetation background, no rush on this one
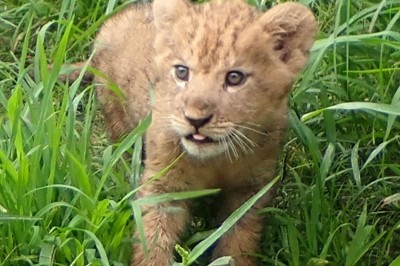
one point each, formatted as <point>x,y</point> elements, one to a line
<point>65,190</point>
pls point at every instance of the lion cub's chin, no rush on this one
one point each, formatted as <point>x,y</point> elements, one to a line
<point>204,149</point>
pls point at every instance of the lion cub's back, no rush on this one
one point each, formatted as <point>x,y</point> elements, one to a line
<point>124,53</point>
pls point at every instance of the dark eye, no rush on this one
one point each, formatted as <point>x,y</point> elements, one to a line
<point>182,72</point>
<point>235,78</point>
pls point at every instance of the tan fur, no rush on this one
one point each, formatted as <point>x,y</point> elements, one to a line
<point>138,48</point>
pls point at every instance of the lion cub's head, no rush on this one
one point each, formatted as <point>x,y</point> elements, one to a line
<point>227,70</point>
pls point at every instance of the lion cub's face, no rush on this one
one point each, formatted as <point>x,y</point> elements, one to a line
<point>227,70</point>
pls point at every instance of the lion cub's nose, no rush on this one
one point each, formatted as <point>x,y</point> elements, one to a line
<point>198,122</point>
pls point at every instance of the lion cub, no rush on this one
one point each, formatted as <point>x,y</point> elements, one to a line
<point>221,73</point>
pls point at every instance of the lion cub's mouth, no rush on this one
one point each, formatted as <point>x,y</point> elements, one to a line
<point>199,138</point>
<point>202,146</point>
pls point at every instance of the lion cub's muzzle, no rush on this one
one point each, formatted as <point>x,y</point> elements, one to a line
<point>198,123</point>
<point>197,127</point>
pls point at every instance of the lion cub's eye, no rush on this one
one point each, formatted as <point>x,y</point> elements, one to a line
<point>182,72</point>
<point>235,78</point>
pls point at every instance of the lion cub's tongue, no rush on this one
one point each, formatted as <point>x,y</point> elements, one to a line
<point>199,137</point>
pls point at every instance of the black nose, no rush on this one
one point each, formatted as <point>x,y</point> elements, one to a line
<point>198,122</point>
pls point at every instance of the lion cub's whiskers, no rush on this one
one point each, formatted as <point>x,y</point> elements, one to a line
<point>222,141</point>
<point>242,135</point>
<point>253,124</point>
<point>254,130</point>
<point>232,146</point>
<point>244,142</point>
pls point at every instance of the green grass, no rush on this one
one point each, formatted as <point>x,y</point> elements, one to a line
<point>65,190</point>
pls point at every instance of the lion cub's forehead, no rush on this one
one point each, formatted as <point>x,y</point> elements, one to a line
<point>212,32</point>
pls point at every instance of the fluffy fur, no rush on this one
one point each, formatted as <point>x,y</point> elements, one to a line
<point>230,134</point>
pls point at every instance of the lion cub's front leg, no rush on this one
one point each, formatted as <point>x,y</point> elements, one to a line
<point>163,224</point>
<point>243,239</point>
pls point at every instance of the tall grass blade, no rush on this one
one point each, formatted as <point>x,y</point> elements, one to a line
<point>228,223</point>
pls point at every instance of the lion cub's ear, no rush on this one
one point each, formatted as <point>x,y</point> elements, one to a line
<point>293,28</point>
<point>166,12</point>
